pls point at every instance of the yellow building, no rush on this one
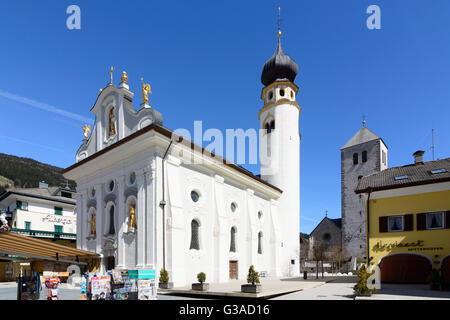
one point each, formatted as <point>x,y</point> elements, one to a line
<point>408,220</point>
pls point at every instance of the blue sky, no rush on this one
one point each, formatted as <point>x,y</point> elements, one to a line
<point>204,59</point>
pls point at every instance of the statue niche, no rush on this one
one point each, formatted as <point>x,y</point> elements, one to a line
<point>132,218</point>
<point>112,122</point>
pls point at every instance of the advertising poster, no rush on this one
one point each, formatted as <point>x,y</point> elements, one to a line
<point>146,289</point>
<point>101,288</point>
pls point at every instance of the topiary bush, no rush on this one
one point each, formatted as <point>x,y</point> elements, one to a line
<point>163,276</point>
<point>201,277</point>
<point>361,288</point>
<point>253,276</point>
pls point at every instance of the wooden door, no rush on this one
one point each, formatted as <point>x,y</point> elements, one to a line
<point>446,269</point>
<point>233,269</point>
<point>405,268</point>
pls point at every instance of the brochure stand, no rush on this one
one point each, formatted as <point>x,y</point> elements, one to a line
<point>28,286</point>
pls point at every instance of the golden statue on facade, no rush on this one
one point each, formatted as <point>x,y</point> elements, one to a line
<point>132,215</point>
<point>86,131</point>
<point>92,223</point>
<point>146,90</point>
<point>112,123</point>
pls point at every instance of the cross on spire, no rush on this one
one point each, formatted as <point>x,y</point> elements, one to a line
<point>111,74</point>
<point>279,22</point>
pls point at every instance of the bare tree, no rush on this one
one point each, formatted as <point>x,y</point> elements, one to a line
<point>319,249</point>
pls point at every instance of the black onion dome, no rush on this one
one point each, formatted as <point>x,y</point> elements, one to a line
<point>279,67</point>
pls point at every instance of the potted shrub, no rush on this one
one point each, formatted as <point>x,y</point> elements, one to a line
<point>361,288</point>
<point>435,280</point>
<point>164,280</point>
<point>252,285</point>
<point>201,285</point>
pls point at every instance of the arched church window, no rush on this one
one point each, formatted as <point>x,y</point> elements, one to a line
<point>195,244</point>
<point>364,156</point>
<point>260,236</point>
<point>111,221</point>
<point>233,240</point>
<point>355,158</point>
<point>282,92</point>
<point>270,126</point>
<point>270,95</point>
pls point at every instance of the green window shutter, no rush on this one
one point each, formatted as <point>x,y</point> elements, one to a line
<point>58,229</point>
<point>58,211</point>
<point>27,225</point>
<point>19,204</point>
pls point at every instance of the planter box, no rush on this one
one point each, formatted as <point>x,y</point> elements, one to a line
<point>250,288</point>
<point>166,285</point>
<point>200,286</point>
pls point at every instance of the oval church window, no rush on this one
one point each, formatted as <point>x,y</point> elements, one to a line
<point>195,196</point>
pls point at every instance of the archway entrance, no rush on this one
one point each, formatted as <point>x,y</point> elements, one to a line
<point>405,268</point>
<point>445,268</point>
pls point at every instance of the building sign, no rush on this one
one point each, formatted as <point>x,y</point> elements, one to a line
<point>57,219</point>
<point>380,246</point>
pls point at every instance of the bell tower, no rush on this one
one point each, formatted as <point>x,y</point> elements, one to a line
<point>280,150</point>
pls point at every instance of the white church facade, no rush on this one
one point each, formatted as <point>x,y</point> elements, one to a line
<point>141,204</point>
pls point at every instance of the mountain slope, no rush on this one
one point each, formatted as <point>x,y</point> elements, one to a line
<point>27,173</point>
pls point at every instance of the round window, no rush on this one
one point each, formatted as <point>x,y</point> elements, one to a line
<point>233,207</point>
<point>195,196</point>
<point>327,237</point>
<point>132,178</point>
<point>282,92</point>
<point>111,185</point>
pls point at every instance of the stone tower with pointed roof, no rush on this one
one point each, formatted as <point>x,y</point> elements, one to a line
<point>365,153</point>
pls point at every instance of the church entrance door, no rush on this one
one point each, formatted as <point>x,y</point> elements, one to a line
<point>110,263</point>
<point>233,270</point>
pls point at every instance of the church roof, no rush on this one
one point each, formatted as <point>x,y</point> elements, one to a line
<point>362,136</point>
<point>336,222</point>
<point>170,134</point>
<point>280,67</point>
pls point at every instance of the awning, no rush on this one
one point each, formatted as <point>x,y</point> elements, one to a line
<point>22,246</point>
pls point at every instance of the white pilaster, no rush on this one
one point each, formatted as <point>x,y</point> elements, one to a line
<point>99,228</point>
<point>141,220</point>
<point>252,239</point>
<point>221,265</point>
<point>175,222</point>
<point>149,177</point>
<point>121,227</point>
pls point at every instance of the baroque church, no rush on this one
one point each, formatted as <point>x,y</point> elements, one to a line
<point>142,205</point>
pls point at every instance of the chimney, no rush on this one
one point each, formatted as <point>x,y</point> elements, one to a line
<point>43,185</point>
<point>418,157</point>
